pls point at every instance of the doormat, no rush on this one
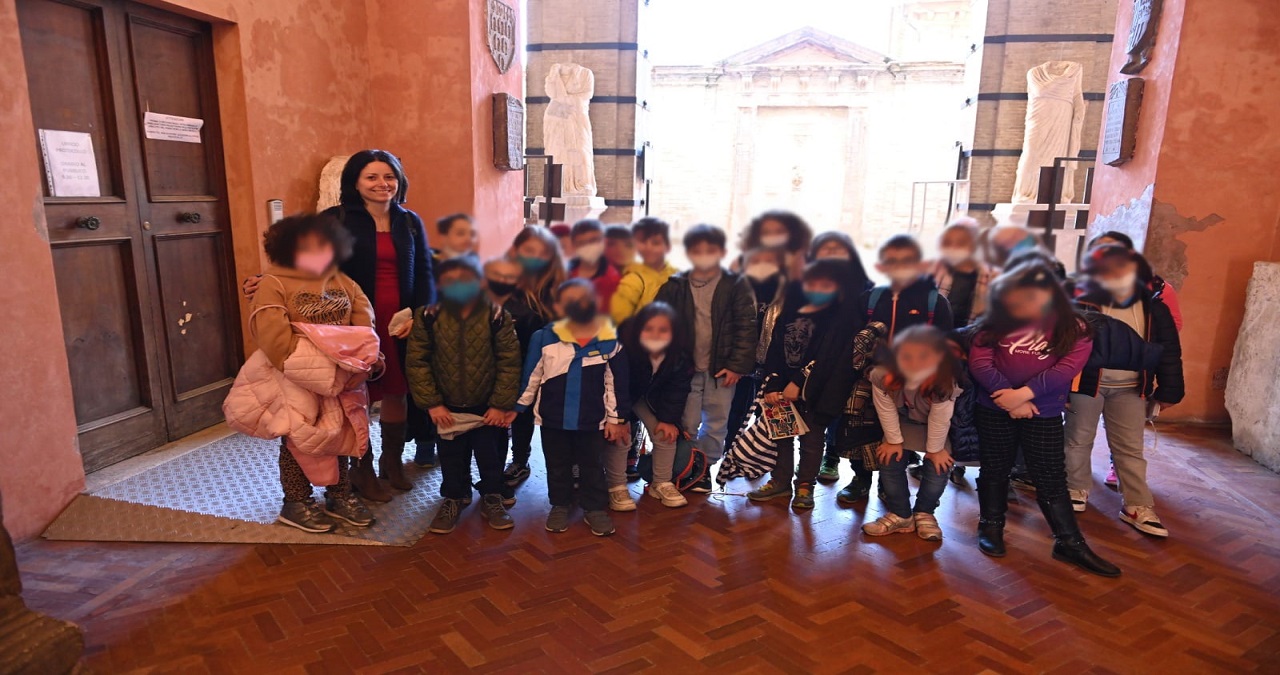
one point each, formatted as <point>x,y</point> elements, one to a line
<point>229,492</point>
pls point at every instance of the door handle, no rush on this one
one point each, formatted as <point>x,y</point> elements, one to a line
<point>88,222</point>
<point>189,217</point>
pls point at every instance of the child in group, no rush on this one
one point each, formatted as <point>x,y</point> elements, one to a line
<point>765,269</point>
<point>1125,399</point>
<point>641,280</point>
<point>457,239</point>
<point>464,369</point>
<point>1154,282</point>
<point>961,277</point>
<point>542,271</point>
<point>911,298</point>
<point>718,308</point>
<point>563,233</point>
<point>797,349</point>
<point>303,285</point>
<point>1026,351</point>
<point>914,398</point>
<point>619,247</point>
<point>782,230</point>
<point>589,262</point>
<point>660,369</point>
<point>575,382</point>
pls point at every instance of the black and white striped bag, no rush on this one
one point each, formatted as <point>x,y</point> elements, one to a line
<point>753,453</point>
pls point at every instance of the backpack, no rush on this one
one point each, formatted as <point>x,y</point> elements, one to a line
<point>878,292</point>
<point>690,465</point>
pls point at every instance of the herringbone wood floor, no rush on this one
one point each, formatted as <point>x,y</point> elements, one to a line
<point>722,585</point>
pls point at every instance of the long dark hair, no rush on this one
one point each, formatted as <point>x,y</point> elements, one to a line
<point>856,280</point>
<point>1068,326</point>
<point>942,384</point>
<point>539,289</point>
<point>635,325</point>
<point>799,234</point>
<point>348,194</point>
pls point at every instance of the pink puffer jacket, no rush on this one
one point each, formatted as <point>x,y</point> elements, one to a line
<point>318,403</point>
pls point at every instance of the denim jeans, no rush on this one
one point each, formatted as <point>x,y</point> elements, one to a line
<point>706,414</point>
<point>897,496</point>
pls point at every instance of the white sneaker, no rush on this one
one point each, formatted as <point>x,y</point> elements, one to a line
<point>1079,500</point>
<point>620,499</point>
<point>668,493</point>
<point>1144,519</point>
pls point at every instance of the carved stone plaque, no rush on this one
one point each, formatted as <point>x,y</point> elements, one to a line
<point>1120,127</point>
<point>501,20</point>
<point>508,132</point>
<point>1142,35</point>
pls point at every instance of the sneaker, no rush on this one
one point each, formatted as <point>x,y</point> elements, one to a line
<point>889,523</point>
<point>768,491</point>
<point>858,490</point>
<point>306,515</point>
<point>668,493</point>
<point>508,501</point>
<point>927,527</point>
<point>495,512</point>
<point>599,522</point>
<point>620,499</point>
<point>349,508</point>
<point>957,475</point>
<point>558,519</point>
<point>703,486</point>
<point>633,469</point>
<point>804,497</point>
<point>1145,520</point>
<point>1079,500</point>
<point>425,456</point>
<point>1022,481</point>
<point>446,516</point>
<point>514,474</point>
<point>1111,480</point>
<point>830,471</point>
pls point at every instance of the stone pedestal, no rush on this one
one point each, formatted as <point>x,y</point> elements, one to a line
<point>1253,386</point>
<point>576,207</point>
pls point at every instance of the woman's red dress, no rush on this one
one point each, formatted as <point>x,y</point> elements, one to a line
<point>386,302</point>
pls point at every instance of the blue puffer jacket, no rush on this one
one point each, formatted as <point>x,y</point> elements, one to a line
<point>964,431</point>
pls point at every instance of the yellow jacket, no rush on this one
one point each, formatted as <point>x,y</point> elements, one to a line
<point>639,286</point>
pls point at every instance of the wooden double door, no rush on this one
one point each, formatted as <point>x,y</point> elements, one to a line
<point>142,261</point>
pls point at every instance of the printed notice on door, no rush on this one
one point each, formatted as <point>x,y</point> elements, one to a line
<point>69,164</point>
<point>158,127</point>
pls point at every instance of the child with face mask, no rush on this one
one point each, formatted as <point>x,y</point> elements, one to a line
<point>1124,399</point>
<point>961,277</point>
<point>765,269</point>
<point>1026,352</point>
<point>914,398</point>
<point>589,261</point>
<point>575,383</point>
<point>784,231</point>
<point>718,308</point>
<point>911,298</point>
<point>464,370</point>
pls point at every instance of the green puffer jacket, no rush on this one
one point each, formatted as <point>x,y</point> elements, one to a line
<point>471,362</point>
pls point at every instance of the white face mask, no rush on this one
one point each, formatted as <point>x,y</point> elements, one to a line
<point>655,345</point>
<point>903,276</point>
<point>761,270</point>
<point>704,262</point>
<point>1122,286</point>
<point>914,380</point>
<point>955,256</point>
<point>590,253</point>
<point>774,240</point>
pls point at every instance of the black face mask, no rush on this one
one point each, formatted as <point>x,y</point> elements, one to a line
<point>765,289</point>
<point>501,288</point>
<point>583,311</point>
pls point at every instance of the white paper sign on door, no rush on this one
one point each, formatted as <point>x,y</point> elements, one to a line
<point>69,163</point>
<point>159,127</point>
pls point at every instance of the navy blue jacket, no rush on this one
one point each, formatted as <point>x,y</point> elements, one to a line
<point>413,254</point>
<point>1156,356</point>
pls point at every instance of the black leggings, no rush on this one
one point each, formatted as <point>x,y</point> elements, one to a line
<point>1041,440</point>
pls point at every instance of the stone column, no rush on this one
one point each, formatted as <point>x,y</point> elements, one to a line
<point>1200,192</point>
<point>604,36</point>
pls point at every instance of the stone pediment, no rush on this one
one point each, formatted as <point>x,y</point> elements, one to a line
<point>806,46</point>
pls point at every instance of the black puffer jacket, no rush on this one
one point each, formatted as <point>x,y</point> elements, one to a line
<point>733,319</point>
<point>665,390</point>
<point>1159,365</point>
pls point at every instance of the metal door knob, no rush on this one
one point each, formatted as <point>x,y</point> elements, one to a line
<point>88,222</point>
<point>189,217</point>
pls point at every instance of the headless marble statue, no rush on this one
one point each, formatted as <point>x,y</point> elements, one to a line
<point>566,128</point>
<point>1055,119</point>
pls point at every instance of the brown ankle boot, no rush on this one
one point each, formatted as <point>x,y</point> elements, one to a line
<point>364,480</point>
<point>391,463</point>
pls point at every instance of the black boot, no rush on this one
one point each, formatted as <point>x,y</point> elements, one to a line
<point>1069,545</point>
<point>391,462</point>
<point>992,504</point>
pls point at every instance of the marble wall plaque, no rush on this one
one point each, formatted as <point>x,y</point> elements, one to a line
<point>1120,127</point>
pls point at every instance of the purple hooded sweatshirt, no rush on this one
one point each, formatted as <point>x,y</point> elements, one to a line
<point>1022,358</point>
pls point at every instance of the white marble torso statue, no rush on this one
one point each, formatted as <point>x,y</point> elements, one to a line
<point>331,182</point>
<point>566,128</point>
<point>1055,119</point>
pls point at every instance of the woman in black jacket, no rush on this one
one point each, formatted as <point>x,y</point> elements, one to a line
<point>392,264</point>
<point>661,370</point>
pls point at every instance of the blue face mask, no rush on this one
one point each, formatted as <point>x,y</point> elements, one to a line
<point>533,265</point>
<point>460,292</point>
<point>820,297</point>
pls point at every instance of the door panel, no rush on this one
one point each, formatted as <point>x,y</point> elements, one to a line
<point>195,323</point>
